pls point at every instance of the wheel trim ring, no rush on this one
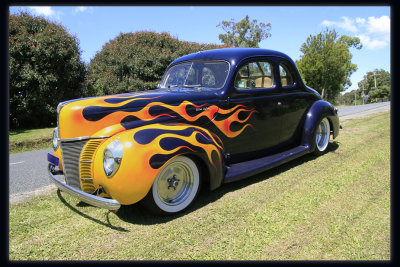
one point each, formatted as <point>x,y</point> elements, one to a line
<point>322,135</point>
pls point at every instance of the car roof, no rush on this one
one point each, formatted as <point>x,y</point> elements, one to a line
<point>233,55</point>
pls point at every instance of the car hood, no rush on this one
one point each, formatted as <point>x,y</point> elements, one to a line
<point>107,115</point>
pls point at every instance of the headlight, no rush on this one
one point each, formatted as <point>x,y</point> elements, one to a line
<point>112,158</point>
<point>56,140</point>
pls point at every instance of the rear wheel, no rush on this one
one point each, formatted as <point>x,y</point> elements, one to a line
<point>175,187</point>
<point>321,136</point>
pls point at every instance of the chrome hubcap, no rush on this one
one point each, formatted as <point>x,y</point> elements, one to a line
<point>322,136</point>
<point>175,183</point>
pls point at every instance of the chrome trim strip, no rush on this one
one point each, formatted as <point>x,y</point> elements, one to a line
<point>59,106</point>
<point>86,179</point>
<point>86,161</point>
<point>100,202</point>
<point>83,138</point>
<point>62,104</point>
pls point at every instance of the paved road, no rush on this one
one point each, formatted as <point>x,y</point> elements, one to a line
<point>361,110</point>
<point>28,171</point>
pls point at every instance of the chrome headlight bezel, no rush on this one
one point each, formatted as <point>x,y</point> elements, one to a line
<point>56,139</point>
<point>112,157</point>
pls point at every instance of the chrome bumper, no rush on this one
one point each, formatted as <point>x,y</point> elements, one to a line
<point>96,201</point>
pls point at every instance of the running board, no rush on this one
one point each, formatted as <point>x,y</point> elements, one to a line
<point>245,169</point>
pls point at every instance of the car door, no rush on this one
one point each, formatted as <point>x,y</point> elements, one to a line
<point>294,104</point>
<point>257,99</point>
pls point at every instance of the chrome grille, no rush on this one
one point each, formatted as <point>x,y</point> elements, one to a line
<point>86,165</point>
<point>71,152</point>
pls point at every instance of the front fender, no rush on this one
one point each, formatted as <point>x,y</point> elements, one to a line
<point>147,149</point>
<point>316,112</point>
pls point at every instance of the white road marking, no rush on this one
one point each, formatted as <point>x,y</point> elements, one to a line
<point>17,162</point>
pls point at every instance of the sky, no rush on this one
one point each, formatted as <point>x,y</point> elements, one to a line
<point>94,26</point>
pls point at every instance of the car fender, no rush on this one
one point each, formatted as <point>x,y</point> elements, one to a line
<point>147,149</point>
<point>316,112</point>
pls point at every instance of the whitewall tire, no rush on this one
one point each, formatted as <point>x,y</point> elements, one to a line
<point>175,187</point>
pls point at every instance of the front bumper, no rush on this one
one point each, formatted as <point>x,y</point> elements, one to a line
<point>105,203</point>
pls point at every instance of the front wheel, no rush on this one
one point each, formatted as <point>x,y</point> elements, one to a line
<point>321,136</point>
<point>175,187</point>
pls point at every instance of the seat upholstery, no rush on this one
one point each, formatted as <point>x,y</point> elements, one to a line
<point>284,81</point>
<point>263,82</point>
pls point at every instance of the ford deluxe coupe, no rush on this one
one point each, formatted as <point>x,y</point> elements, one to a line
<point>217,116</point>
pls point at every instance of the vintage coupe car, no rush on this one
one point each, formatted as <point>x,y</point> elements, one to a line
<point>217,116</point>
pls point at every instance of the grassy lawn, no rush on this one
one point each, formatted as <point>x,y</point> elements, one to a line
<point>332,207</point>
<point>28,140</point>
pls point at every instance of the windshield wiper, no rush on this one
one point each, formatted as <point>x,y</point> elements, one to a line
<point>172,86</point>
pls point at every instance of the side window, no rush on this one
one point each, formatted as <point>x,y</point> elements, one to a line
<point>286,76</point>
<point>256,74</point>
<point>213,74</point>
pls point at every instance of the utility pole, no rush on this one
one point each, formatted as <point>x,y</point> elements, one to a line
<point>363,90</point>
<point>376,99</point>
<point>355,99</point>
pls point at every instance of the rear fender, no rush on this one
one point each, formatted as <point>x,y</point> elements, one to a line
<point>319,110</point>
<point>147,149</point>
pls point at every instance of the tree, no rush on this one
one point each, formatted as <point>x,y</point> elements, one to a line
<point>326,62</point>
<point>45,69</point>
<point>349,98</point>
<point>382,92</point>
<point>376,84</point>
<point>244,33</point>
<point>136,61</point>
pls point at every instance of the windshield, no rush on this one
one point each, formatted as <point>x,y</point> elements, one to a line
<point>196,74</point>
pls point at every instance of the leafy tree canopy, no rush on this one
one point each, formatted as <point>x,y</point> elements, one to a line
<point>376,84</point>
<point>349,98</point>
<point>326,62</point>
<point>245,33</point>
<point>136,61</point>
<point>45,69</point>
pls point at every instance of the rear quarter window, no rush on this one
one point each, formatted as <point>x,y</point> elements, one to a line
<point>285,75</point>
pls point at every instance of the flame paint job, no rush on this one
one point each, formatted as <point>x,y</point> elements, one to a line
<point>135,119</point>
<point>135,110</point>
<point>158,125</point>
<point>71,115</point>
<point>146,150</point>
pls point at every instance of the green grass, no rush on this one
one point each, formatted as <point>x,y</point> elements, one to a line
<point>31,139</point>
<point>332,207</point>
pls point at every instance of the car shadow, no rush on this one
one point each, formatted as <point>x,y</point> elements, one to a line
<point>80,204</point>
<point>137,214</point>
